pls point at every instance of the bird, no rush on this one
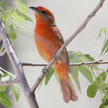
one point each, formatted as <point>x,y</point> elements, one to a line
<point>49,40</point>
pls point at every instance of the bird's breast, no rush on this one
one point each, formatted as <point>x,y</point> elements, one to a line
<point>46,42</point>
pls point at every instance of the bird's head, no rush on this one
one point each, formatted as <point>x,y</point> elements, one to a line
<point>43,14</point>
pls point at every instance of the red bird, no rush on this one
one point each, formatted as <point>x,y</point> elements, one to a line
<point>48,41</point>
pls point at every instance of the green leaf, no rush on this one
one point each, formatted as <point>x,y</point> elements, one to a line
<point>100,80</point>
<point>12,33</point>
<point>79,57</point>
<point>23,15</point>
<point>88,57</point>
<point>101,106</point>
<point>101,77</point>
<point>106,51</point>
<point>102,30</point>
<point>21,7</point>
<point>74,74</point>
<point>74,56</point>
<point>105,46</point>
<point>4,100</point>
<point>3,88</point>
<point>18,19</point>
<point>106,85</point>
<point>16,91</point>
<point>4,4</point>
<point>86,73</point>
<point>105,102</point>
<point>4,75</point>
<point>49,75</point>
<point>91,91</point>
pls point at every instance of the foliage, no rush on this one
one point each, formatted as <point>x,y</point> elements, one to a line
<point>4,99</point>
<point>93,73</point>
<point>15,91</point>
<point>104,32</point>
<point>78,57</point>
<point>12,17</point>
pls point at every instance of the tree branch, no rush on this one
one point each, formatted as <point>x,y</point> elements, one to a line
<point>89,63</point>
<point>9,82</point>
<point>80,28</point>
<point>71,64</point>
<point>31,99</point>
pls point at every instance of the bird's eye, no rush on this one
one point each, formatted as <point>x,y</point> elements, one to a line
<point>43,12</point>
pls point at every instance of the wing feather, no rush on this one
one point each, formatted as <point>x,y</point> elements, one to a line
<point>64,55</point>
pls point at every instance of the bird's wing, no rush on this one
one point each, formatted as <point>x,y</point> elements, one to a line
<point>64,55</point>
<point>58,34</point>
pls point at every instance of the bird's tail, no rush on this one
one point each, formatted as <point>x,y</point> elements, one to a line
<point>67,90</point>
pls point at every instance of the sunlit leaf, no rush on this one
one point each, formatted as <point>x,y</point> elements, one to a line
<point>12,33</point>
<point>16,91</point>
<point>4,4</point>
<point>88,57</point>
<point>74,74</point>
<point>106,51</point>
<point>86,72</point>
<point>74,56</point>
<point>4,100</point>
<point>23,15</point>
<point>18,19</point>
<point>3,88</point>
<point>5,77</point>
<point>105,46</point>
<point>101,77</point>
<point>21,7</point>
<point>102,30</point>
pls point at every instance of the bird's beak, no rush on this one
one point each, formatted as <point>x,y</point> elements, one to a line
<point>35,9</point>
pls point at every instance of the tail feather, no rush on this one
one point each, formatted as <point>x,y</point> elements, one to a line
<point>68,92</point>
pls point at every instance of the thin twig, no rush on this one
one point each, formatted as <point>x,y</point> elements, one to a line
<point>89,63</point>
<point>31,99</point>
<point>9,73</point>
<point>71,64</point>
<point>80,28</point>
<point>9,82</point>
